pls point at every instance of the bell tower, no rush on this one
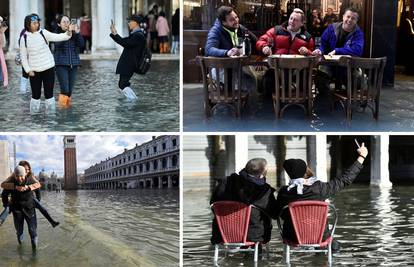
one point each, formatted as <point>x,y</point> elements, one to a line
<point>71,175</point>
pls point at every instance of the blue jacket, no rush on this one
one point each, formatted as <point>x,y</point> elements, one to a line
<point>67,52</point>
<point>219,41</point>
<point>354,42</point>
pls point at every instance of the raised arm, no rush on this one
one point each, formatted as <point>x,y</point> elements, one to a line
<point>330,188</point>
<point>57,37</point>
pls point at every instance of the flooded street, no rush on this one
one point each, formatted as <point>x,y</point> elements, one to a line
<point>97,102</point>
<point>100,228</point>
<point>375,227</point>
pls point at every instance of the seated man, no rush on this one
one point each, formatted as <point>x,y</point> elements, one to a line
<point>342,38</point>
<point>249,187</point>
<point>303,186</point>
<point>223,37</point>
<point>289,38</point>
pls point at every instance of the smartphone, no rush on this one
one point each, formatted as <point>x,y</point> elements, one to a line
<point>73,21</point>
<point>356,142</point>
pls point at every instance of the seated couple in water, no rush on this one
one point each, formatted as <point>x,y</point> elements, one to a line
<point>249,186</point>
<point>24,189</point>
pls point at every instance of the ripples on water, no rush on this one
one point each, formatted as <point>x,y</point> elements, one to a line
<point>101,228</point>
<point>375,227</point>
<point>97,103</point>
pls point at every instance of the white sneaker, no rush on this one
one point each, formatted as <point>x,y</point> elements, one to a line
<point>129,93</point>
<point>34,106</point>
<point>50,105</point>
<point>23,85</point>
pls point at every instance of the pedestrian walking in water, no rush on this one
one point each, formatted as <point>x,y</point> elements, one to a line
<point>175,31</point>
<point>8,186</point>
<point>134,46</point>
<point>3,67</point>
<point>22,205</point>
<point>38,62</point>
<point>67,59</point>
<point>163,32</point>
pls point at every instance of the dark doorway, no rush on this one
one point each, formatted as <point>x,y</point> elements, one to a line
<point>175,182</point>
<point>401,155</point>
<point>155,183</point>
<point>164,182</point>
<point>52,8</point>
<point>148,184</point>
<point>343,154</point>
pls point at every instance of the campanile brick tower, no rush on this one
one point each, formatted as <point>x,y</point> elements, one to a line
<point>71,176</point>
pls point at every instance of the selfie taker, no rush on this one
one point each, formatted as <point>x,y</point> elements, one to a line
<point>134,46</point>
<point>67,59</point>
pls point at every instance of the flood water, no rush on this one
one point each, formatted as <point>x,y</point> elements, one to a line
<point>97,102</point>
<point>375,228</point>
<point>100,228</point>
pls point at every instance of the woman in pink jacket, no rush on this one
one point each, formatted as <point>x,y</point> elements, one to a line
<point>3,67</point>
<point>163,32</point>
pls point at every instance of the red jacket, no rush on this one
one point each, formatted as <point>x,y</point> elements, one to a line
<point>282,43</point>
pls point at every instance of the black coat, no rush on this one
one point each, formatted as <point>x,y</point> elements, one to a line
<point>134,46</point>
<point>317,191</point>
<point>237,187</point>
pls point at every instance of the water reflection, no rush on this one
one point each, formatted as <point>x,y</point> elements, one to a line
<point>375,227</point>
<point>101,228</point>
<point>97,103</point>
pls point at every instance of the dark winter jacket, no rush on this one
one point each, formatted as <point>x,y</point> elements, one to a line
<point>241,188</point>
<point>67,53</point>
<point>219,40</point>
<point>354,43</point>
<point>21,201</point>
<point>317,191</point>
<point>134,46</point>
<point>175,24</point>
<point>283,43</point>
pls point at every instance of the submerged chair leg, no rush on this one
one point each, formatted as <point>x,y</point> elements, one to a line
<point>256,252</point>
<point>329,255</point>
<point>216,253</point>
<point>286,249</point>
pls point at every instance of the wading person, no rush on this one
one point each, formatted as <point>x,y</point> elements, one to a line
<point>134,46</point>
<point>248,186</point>
<point>22,204</point>
<point>8,185</point>
<point>3,67</point>
<point>304,186</point>
<point>67,60</point>
<point>38,62</point>
<point>163,32</point>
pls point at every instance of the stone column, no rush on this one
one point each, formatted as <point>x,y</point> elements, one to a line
<point>321,162</point>
<point>241,152</point>
<point>18,10</point>
<point>169,181</point>
<point>380,175</point>
<point>160,182</point>
<point>102,13</point>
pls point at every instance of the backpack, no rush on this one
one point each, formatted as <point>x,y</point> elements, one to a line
<point>18,58</point>
<point>143,62</point>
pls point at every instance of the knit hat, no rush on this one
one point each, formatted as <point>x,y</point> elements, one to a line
<point>20,171</point>
<point>295,168</point>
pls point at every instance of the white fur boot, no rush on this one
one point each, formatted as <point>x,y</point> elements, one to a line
<point>23,85</point>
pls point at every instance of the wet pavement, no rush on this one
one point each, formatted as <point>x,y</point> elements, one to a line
<point>375,228</point>
<point>396,114</point>
<point>97,103</point>
<point>100,228</point>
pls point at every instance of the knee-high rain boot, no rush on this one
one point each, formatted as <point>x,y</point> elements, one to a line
<point>34,106</point>
<point>23,85</point>
<point>50,105</point>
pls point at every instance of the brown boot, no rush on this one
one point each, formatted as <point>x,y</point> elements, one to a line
<point>62,100</point>
<point>161,48</point>
<point>166,47</point>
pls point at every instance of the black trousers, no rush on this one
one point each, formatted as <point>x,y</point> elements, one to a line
<point>124,80</point>
<point>47,78</point>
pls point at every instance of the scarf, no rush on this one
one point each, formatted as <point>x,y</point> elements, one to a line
<point>233,36</point>
<point>300,182</point>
